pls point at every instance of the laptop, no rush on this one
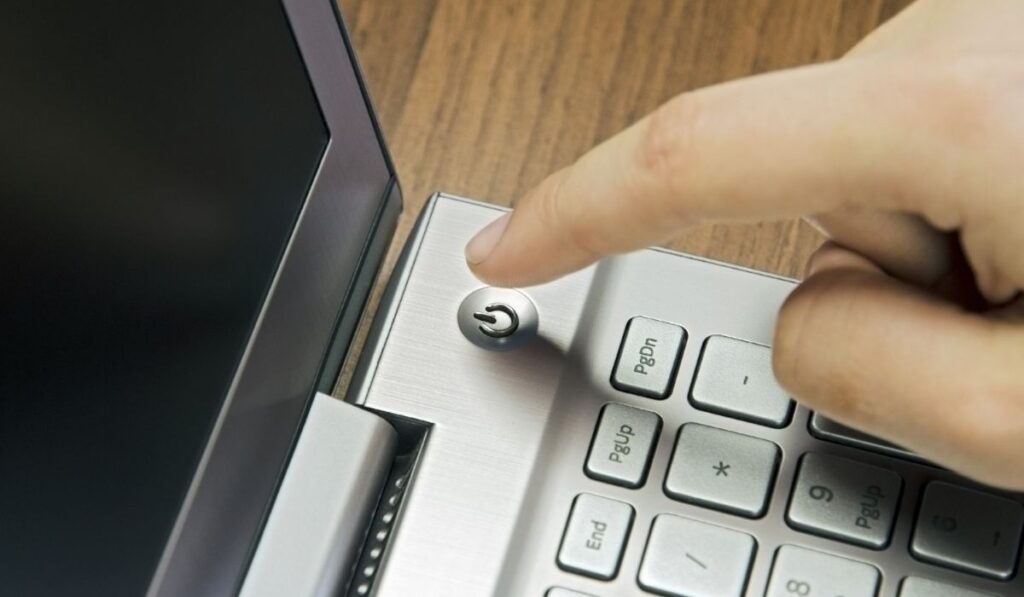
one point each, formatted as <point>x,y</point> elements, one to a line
<point>197,201</point>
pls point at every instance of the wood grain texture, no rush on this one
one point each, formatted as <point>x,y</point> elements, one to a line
<point>484,98</point>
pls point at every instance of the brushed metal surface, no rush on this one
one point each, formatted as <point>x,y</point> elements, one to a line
<point>511,431</point>
<point>914,586</point>
<point>488,412</point>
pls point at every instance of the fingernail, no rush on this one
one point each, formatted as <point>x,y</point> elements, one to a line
<point>832,256</point>
<point>484,242</point>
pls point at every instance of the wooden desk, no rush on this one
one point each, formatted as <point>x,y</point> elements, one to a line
<point>483,98</point>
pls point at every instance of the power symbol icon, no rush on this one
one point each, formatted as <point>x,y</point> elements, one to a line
<point>498,318</point>
<point>490,321</point>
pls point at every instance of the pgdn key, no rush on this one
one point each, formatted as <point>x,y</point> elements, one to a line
<point>648,358</point>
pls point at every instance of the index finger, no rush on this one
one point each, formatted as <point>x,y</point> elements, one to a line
<point>796,142</point>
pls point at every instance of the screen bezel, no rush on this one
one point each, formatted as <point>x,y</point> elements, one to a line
<point>304,326</point>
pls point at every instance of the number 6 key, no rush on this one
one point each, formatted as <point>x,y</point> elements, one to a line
<point>968,530</point>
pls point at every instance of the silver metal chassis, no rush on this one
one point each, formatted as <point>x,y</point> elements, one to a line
<point>510,431</point>
<point>326,499</point>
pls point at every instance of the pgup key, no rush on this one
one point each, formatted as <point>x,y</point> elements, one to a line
<point>845,499</point>
<point>622,447</point>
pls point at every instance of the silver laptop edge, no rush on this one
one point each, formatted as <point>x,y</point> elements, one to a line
<point>207,550</point>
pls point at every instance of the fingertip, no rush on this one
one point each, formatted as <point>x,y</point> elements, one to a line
<point>535,243</point>
<point>482,245</point>
<point>496,255</point>
<point>486,261</point>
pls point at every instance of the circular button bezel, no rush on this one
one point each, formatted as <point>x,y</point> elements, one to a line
<point>498,318</point>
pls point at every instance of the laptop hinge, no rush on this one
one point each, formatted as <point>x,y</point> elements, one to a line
<point>326,500</point>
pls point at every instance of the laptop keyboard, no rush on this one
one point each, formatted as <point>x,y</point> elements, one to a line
<point>956,527</point>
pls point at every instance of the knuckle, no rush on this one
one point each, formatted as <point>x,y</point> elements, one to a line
<point>991,248</point>
<point>958,99</point>
<point>964,110</point>
<point>668,151</point>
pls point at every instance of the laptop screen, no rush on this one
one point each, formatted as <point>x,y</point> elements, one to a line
<point>154,157</point>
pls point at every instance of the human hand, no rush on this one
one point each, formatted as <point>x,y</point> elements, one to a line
<point>907,152</point>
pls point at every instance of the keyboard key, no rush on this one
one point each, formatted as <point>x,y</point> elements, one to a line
<point>914,586</point>
<point>560,592</point>
<point>799,571</point>
<point>695,559</point>
<point>722,470</point>
<point>846,500</point>
<point>648,358</point>
<point>595,536</point>
<point>735,378</point>
<point>968,530</point>
<point>825,428</point>
<point>621,450</point>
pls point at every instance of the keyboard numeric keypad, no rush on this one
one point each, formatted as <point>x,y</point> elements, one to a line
<point>845,499</point>
<point>595,536</point>
<point>623,444</point>
<point>800,571</point>
<point>735,378</point>
<point>722,470</point>
<point>914,586</point>
<point>839,498</point>
<point>648,358</point>
<point>968,530</point>
<point>697,559</point>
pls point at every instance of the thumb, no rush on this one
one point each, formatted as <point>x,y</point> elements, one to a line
<point>877,354</point>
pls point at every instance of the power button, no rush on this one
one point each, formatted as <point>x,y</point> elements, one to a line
<point>498,318</point>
